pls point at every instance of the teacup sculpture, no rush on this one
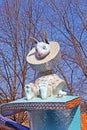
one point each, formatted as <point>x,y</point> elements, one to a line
<point>43,58</point>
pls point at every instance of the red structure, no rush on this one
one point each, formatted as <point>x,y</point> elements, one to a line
<point>84,121</point>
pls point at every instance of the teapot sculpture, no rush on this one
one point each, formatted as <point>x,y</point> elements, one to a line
<point>43,58</point>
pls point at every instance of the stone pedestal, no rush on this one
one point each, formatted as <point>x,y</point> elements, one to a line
<point>50,114</point>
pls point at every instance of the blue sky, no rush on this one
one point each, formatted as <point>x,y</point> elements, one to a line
<point>54,34</point>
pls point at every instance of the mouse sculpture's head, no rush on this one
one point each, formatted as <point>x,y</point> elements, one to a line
<point>45,55</point>
<point>42,48</point>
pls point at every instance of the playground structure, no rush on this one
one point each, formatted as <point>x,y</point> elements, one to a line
<point>48,105</point>
<point>63,113</point>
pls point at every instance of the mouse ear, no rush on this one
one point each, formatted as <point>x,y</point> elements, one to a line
<point>45,37</point>
<point>33,40</point>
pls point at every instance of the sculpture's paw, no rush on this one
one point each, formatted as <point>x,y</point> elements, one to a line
<point>29,91</point>
<point>62,92</point>
<point>43,92</point>
<point>28,97</point>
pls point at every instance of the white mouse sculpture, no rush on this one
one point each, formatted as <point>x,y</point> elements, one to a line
<point>43,58</point>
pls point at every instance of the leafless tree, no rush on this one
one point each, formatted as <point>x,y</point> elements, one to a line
<point>18,21</point>
<point>68,20</point>
<point>64,20</point>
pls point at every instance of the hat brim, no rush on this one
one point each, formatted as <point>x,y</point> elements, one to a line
<point>47,63</point>
<point>54,50</point>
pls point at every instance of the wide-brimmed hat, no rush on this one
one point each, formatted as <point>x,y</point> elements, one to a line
<point>47,63</point>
